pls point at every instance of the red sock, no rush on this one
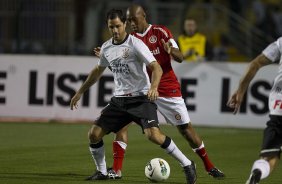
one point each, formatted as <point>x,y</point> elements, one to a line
<point>118,155</point>
<point>204,156</point>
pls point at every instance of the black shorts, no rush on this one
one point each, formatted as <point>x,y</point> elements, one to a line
<point>123,110</point>
<point>272,138</point>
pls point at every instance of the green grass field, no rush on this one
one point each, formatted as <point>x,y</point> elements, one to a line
<point>56,153</point>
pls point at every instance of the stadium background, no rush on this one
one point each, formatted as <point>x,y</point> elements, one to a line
<point>36,32</point>
<point>46,52</point>
<point>74,27</point>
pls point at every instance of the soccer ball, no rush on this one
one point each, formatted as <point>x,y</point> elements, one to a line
<point>157,170</point>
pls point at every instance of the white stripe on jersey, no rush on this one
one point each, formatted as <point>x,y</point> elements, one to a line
<point>173,42</point>
<point>127,61</point>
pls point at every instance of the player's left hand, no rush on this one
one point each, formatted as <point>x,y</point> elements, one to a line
<point>235,102</point>
<point>96,51</point>
<point>167,46</point>
<point>74,100</point>
<point>153,94</point>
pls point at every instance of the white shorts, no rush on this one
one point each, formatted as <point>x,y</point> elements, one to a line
<point>173,109</point>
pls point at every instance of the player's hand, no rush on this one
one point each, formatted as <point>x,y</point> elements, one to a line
<point>96,51</point>
<point>167,46</point>
<point>190,52</point>
<point>74,100</point>
<point>153,94</point>
<point>235,102</point>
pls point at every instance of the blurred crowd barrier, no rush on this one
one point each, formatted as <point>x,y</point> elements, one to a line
<point>75,27</point>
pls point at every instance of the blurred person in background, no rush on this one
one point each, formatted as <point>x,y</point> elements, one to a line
<point>272,138</point>
<point>193,45</point>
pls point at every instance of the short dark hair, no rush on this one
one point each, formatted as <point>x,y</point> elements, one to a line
<point>115,13</point>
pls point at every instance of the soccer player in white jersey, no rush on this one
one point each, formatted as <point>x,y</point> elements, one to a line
<point>272,139</point>
<point>170,103</point>
<point>133,96</point>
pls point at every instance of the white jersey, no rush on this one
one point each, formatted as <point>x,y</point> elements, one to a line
<point>128,62</point>
<point>273,53</point>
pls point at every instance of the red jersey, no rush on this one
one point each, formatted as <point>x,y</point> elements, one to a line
<point>169,85</point>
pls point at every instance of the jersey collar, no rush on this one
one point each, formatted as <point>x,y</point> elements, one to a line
<point>120,42</point>
<point>145,32</point>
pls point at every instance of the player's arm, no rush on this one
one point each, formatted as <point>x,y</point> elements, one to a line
<point>92,78</point>
<point>157,73</point>
<point>170,48</point>
<point>147,57</point>
<point>236,99</point>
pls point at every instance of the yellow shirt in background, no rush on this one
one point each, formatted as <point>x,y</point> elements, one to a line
<point>196,43</point>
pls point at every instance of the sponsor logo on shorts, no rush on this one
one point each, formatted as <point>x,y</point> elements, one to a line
<point>178,117</point>
<point>150,121</point>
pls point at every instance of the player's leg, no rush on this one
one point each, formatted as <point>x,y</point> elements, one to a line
<point>198,147</point>
<point>112,119</point>
<point>146,116</point>
<point>262,168</point>
<point>270,152</point>
<point>156,136</point>
<point>273,161</point>
<point>189,133</point>
<point>119,147</point>
<point>97,150</point>
<point>175,112</point>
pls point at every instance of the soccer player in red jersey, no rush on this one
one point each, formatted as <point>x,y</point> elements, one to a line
<point>170,103</point>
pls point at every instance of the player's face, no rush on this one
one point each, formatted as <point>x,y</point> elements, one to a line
<point>117,29</point>
<point>136,21</point>
<point>190,27</point>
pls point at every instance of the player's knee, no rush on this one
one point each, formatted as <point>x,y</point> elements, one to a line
<point>154,135</point>
<point>147,132</point>
<point>121,136</point>
<point>94,135</point>
<point>91,136</point>
<point>152,138</point>
<point>184,129</point>
<point>273,158</point>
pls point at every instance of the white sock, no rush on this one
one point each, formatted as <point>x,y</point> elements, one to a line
<point>202,146</point>
<point>173,150</point>
<point>98,155</point>
<point>123,145</point>
<point>263,166</point>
